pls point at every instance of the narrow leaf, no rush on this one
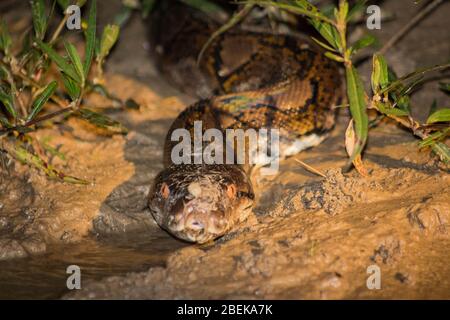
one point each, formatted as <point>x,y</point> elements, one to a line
<point>76,60</point>
<point>380,75</point>
<point>42,99</point>
<point>441,115</point>
<point>26,157</point>
<point>8,102</point>
<point>39,18</point>
<point>90,38</point>
<point>326,29</point>
<point>356,97</point>
<point>357,8</point>
<point>362,43</point>
<point>334,57</point>
<point>73,89</point>
<point>391,111</point>
<point>323,44</point>
<point>5,38</point>
<point>109,38</point>
<point>4,121</point>
<point>60,61</point>
<point>443,151</point>
<point>102,121</point>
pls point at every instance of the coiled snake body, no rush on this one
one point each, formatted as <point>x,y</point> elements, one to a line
<point>245,80</point>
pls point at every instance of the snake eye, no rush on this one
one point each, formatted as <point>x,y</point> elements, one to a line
<point>231,191</point>
<point>165,191</point>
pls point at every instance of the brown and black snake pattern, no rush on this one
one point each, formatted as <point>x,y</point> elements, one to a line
<point>245,80</point>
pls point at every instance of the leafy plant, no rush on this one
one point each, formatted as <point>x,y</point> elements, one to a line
<point>28,90</point>
<point>389,97</point>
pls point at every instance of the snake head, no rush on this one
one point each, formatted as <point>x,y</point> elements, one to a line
<point>199,203</point>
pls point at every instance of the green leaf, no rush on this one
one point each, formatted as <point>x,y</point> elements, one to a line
<point>362,43</point>
<point>52,150</point>
<point>42,99</point>
<point>326,30</point>
<point>434,137</point>
<point>442,150</point>
<point>391,111</point>
<point>29,158</point>
<point>343,11</point>
<point>39,18</point>
<point>73,89</point>
<point>102,121</point>
<point>62,64</point>
<point>324,45</point>
<point>441,115</point>
<point>8,101</point>
<point>109,38</point>
<point>358,7</point>
<point>76,61</point>
<point>4,121</point>
<point>356,97</point>
<point>403,103</point>
<point>90,38</point>
<point>334,57</point>
<point>413,75</point>
<point>5,38</point>
<point>380,75</point>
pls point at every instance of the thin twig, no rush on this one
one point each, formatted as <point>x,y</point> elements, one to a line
<point>310,169</point>
<point>70,107</point>
<point>59,28</point>
<point>406,28</point>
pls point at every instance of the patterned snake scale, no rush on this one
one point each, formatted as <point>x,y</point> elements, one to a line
<point>245,80</point>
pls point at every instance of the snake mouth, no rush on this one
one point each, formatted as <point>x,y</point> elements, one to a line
<point>195,224</point>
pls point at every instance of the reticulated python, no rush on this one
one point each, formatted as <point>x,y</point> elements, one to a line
<point>246,80</point>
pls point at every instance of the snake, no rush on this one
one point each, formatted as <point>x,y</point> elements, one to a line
<point>245,79</point>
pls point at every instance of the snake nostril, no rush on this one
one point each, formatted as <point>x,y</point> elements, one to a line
<point>196,224</point>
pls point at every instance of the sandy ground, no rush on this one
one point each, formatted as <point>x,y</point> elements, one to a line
<point>310,237</point>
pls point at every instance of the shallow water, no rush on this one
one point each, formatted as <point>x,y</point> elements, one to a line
<point>44,276</point>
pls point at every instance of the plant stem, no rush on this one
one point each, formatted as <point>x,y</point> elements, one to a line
<point>406,28</point>
<point>70,107</point>
<point>59,29</point>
